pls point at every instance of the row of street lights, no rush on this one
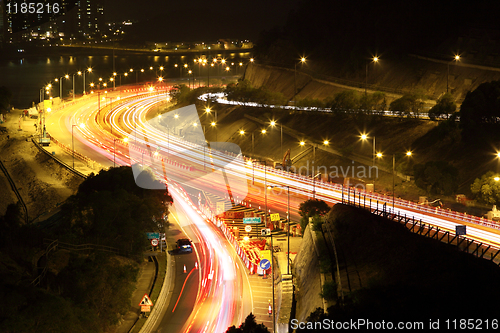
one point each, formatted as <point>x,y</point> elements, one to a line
<point>408,153</point>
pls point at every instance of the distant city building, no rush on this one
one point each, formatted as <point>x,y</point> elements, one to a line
<point>90,18</point>
<point>3,28</point>
<point>75,20</point>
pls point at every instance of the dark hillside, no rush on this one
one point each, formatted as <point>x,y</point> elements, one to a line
<point>406,276</point>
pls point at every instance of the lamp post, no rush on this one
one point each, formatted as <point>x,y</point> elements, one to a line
<point>73,86</point>
<point>263,131</point>
<point>214,119</point>
<point>409,154</point>
<point>110,103</point>
<point>131,71</point>
<point>314,185</point>
<point>374,60</point>
<point>288,222</point>
<point>114,150</point>
<point>302,60</point>
<point>456,58</point>
<point>365,137</point>
<point>273,123</point>
<point>265,183</point>
<point>60,81</point>
<point>82,125</point>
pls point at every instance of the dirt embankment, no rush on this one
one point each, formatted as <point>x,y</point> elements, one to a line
<point>42,183</point>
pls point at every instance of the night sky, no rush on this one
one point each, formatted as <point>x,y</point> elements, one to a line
<point>197,20</point>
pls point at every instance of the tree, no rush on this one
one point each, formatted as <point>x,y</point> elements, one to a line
<point>345,100</point>
<point>311,208</point>
<point>310,102</point>
<point>436,177</point>
<point>479,110</point>
<point>407,105</point>
<point>445,106</point>
<point>376,101</point>
<point>244,92</point>
<point>110,206</point>
<point>486,189</point>
<point>249,326</point>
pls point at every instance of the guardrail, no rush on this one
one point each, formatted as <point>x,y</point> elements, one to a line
<point>462,243</point>
<point>50,247</point>
<point>57,160</point>
<point>221,98</point>
<point>85,247</point>
<point>14,188</point>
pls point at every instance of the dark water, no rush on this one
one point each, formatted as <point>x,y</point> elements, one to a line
<point>25,77</point>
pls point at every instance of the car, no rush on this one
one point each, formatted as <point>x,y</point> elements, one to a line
<point>184,245</point>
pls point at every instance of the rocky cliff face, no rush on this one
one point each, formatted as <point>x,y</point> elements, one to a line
<point>307,274</point>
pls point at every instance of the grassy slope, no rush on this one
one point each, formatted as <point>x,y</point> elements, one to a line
<point>408,276</point>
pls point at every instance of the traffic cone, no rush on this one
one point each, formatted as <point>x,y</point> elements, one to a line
<point>270,310</point>
<point>196,265</point>
<point>184,268</point>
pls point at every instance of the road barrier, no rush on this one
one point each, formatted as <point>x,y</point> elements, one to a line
<point>14,188</point>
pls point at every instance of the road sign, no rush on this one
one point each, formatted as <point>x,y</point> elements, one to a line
<point>265,232</point>
<point>275,217</point>
<point>152,235</point>
<point>145,308</point>
<point>248,228</point>
<point>461,230</point>
<point>220,207</point>
<point>265,264</point>
<point>251,220</point>
<point>154,242</point>
<point>265,254</point>
<point>146,301</point>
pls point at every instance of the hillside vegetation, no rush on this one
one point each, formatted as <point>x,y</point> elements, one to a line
<point>84,291</point>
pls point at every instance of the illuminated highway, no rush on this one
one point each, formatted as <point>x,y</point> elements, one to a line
<point>130,131</point>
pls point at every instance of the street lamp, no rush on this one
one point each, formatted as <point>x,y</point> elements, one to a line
<point>273,123</point>
<point>265,185</point>
<point>73,86</point>
<point>60,80</point>
<point>456,59</point>
<point>263,131</point>
<point>364,137</point>
<point>288,222</point>
<point>82,125</point>
<point>409,154</point>
<point>302,60</point>
<point>114,150</point>
<point>189,79</point>
<point>214,119</point>
<point>131,71</point>
<point>374,60</point>
<point>314,185</point>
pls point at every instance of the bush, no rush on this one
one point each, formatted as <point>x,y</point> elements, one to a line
<point>436,177</point>
<point>317,223</point>
<point>329,291</point>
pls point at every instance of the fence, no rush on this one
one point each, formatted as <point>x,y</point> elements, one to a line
<point>14,188</point>
<point>417,226</point>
